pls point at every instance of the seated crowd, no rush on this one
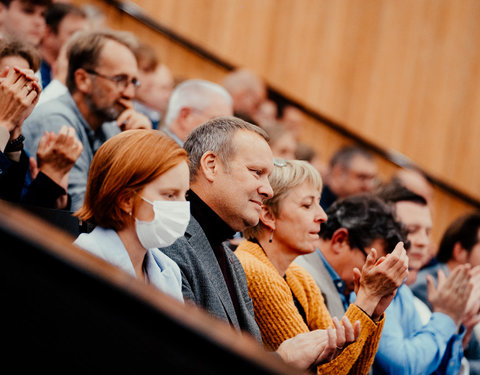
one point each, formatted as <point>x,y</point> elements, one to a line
<point>205,191</point>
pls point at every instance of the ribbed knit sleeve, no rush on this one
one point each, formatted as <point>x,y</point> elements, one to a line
<point>279,319</point>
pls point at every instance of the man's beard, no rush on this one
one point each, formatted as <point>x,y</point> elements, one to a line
<point>105,114</point>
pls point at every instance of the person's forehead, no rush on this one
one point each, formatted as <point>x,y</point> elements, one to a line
<point>72,21</point>
<point>117,59</point>
<point>361,164</point>
<point>410,213</point>
<point>16,61</point>
<point>250,146</point>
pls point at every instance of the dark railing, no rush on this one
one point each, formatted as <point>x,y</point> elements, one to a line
<point>71,310</point>
<point>394,157</point>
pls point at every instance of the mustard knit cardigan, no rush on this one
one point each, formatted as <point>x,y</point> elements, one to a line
<point>279,319</point>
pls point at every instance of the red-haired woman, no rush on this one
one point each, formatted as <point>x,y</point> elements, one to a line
<point>136,198</point>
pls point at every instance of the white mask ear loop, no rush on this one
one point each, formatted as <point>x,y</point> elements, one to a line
<point>146,200</point>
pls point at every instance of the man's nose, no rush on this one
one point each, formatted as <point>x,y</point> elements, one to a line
<point>265,189</point>
<point>129,91</point>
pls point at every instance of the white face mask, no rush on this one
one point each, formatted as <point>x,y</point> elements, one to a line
<point>169,224</point>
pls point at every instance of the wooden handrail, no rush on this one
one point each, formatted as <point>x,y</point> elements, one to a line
<point>395,157</point>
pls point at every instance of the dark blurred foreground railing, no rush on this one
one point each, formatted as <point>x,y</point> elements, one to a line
<point>394,157</point>
<point>61,305</point>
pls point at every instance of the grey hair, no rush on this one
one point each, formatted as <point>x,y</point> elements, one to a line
<point>193,93</point>
<point>216,135</point>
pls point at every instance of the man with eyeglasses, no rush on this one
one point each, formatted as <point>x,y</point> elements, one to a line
<point>101,80</point>
<point>409,343</point>
<point>355,225</point>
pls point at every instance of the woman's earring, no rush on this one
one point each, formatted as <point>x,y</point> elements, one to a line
<point>271,238</point>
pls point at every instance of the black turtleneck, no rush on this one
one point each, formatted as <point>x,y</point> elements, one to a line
<point>217,232</point>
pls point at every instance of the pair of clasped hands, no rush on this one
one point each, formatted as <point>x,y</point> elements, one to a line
<point>56,153</point>
<point>375,286</point>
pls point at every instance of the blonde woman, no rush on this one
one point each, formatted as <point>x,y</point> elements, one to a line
<point>286,299</point>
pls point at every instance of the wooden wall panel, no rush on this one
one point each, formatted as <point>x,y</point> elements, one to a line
<point>338,26</point>
<point>403,74</point>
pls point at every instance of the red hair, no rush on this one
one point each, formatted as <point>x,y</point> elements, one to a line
<point>121,168</point>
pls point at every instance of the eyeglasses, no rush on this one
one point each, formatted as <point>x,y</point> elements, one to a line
<point>277,162</point>
<point>121,80</point>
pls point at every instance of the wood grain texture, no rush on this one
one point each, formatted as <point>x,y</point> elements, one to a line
<point>404,75</point>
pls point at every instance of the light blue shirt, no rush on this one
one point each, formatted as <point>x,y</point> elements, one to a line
<point>409,347</point>
<point>51,116</point>
<point>161,271</point>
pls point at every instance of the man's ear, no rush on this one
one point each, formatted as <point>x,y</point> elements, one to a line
<point>459,254</point>
<point>267,217</point>
<point>340,240</point>
<point>209,165</point>
<point>83,81</point>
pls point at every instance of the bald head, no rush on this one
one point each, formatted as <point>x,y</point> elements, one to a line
<point>194,102</point>
<point>247,89</point>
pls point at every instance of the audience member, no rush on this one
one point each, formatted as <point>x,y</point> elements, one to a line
<point>57,86</point>
<point>96,18</point>
<point>157,85</point>
<point>247,90</point>
<point>137,204</point>
<point>23,19</point>
<point>46,185</point>
<point>459,245</point>
<point>408,346</point>
<point>415,181</point>
<point>230,161</point>
<point>101,79</point>
<point>62,21</point>
<point>267,112</point>
<point>355,225</point>
<point>308,153</point>
<point>352,170</point>
<point>293,118</point>
<point>285,297</point>
<point>281,140</point>
<point>192,103</point>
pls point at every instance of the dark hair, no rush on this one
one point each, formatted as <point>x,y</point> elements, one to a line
<point>345,155</point>
<point>394,192</point>
<point>16,47</point>
<point>58,11</point>
<point>84,50</point>
<point>464,230</point>
<point>367,218</point>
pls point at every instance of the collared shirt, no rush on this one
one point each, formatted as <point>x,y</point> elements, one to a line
<point>172,135</point>
<point>407,346</point>
<point>161,271</point>
<point>337,281</point>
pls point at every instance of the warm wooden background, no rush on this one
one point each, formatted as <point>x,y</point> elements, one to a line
<point>403,75</point>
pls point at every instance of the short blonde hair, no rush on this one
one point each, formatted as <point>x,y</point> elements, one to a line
<point>286,175</point>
